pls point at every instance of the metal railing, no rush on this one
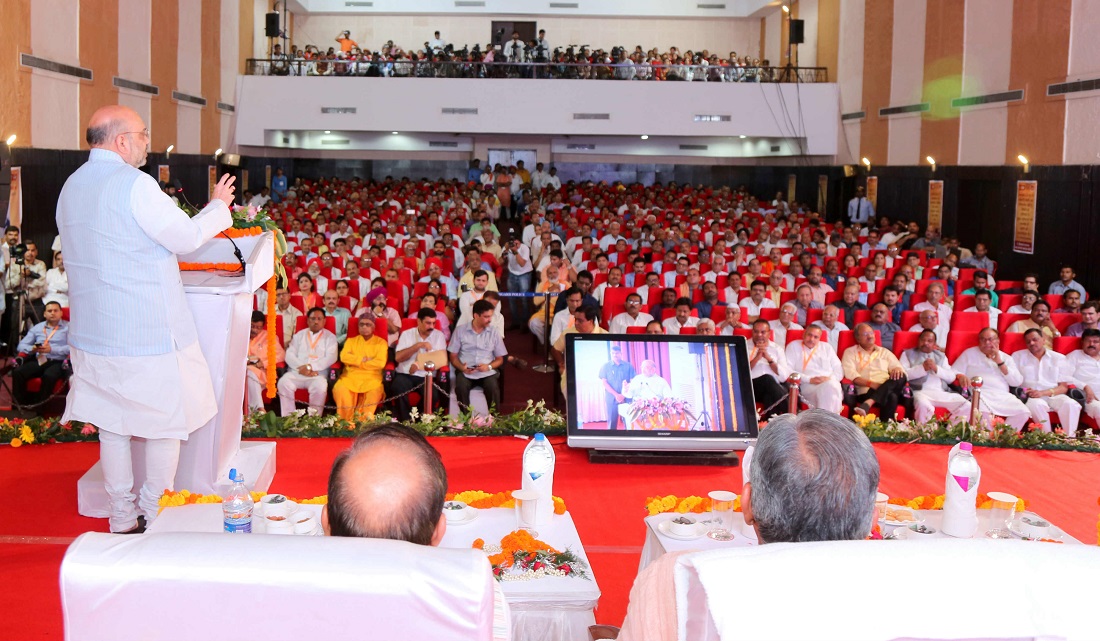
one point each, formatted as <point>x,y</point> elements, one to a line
<point>537,70</point>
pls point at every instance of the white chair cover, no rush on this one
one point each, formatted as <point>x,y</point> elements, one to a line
<point>883,590</point>
<point>216,586</point>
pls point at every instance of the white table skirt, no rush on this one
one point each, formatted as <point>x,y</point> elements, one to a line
<point>547,609</point>
<point>656,543</point>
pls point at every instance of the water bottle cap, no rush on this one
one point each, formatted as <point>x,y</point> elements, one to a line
<point>966,446</point>
<point>540,436</point>
<point>233,474</point>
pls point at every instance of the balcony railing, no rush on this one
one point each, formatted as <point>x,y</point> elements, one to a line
<point>535,70</point>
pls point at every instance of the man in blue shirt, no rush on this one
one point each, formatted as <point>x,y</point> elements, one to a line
<point>473,174</point>
<point>278,186</point>
<point>42,355</point>
<point>1065,281</point>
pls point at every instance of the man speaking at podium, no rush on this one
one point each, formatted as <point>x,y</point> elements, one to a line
<point>138,370</point>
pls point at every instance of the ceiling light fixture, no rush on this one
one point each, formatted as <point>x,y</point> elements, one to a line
<point>11,140</point>
<point>645,137</point>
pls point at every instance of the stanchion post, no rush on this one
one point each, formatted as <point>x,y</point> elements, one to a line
<point>545,367</point>
<point>795,382</point>
<point>429,383</point>
<point>975,401</point>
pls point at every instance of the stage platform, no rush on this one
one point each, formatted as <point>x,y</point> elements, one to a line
<point>606,501</point>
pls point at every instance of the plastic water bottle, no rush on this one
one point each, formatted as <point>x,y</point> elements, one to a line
<point>237,506</point>
<point>538,475</point>
<point>960,513</point>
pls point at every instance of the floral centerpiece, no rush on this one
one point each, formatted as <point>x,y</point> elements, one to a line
<point>661,414</point>
<point>522,557</point>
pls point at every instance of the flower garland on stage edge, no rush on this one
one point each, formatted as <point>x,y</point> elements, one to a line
<point>699,505</point>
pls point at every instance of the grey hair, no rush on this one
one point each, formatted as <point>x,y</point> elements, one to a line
<point>101,135</point>
<point>814,478</point>
<point>706,322</point>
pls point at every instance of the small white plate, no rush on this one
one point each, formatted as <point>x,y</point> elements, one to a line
<point>1053,533</point>
<point>899,508</point>
<point>472,513</point>
<point>665,528</point>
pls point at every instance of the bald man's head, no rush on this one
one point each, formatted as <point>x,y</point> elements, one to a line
<point>121,130</point>
<point>390,484</point>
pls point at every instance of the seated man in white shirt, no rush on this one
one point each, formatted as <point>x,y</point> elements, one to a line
<point>422,339</point>
<point>983,302</point>
<point>831,325</point>
<point>391,484</point>
<point>564,318</point>
<point>682,319</point>
<point>820,368</point>
<point>311,353</point>
<point>929,376</point>
<point>1085,365</point>
<point>57,282</point>
<point>632,317</point>
<point>934,301</point>
<point>614,279</point>
<point>929,319</point>
<point>768,369</point>
<point>999,373</point>
<point>784,323</point>
<point>731,322</point>
<point>757,300</point>
<point>1047,375</point>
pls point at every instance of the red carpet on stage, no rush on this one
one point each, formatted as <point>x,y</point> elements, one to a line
<point>606,501</point>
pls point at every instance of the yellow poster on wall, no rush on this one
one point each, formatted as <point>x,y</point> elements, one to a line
<point>267,176</point>
<point>164,174</point>
<point>792,183</point>
<point>1023,241</point>
<point>872,191</point>
<point>935,204</point>
<point>211,181</point>
<point>822,193</point>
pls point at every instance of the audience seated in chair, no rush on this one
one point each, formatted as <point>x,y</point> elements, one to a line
<point>312,352</point>
<point>359,390</point>
<point>256,375</point>
<point>43,353</point>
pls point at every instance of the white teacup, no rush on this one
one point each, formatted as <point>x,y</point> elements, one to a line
<point>278,525</point>
<point>456,511</point>
<point>305,522</point>
<point>275,505</point>
<point>683,525</point>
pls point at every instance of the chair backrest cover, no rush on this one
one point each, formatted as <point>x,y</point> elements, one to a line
<point>820,590</point>
<point>217,586</point>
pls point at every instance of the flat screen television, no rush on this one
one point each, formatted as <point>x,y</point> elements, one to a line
<point>667,393</point>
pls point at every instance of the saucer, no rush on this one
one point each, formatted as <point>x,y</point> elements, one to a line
<point>473,513</point>
<point>258,509</point>
<point>665,528</point>
<point>1053,533</point>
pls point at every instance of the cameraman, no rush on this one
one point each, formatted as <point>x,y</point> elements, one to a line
<point>28,274</point>
<point>518,256</point>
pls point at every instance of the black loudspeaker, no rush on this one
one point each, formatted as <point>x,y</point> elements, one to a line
<point>271,25</point>
<point>798,34</point>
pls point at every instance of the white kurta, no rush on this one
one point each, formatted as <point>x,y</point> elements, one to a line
<point>1086,372</point>
<point>820,361</point>
<point>762,368</point>
<point>623,320</point>
<point>932,394</point>
<point>831,335</point>
<point>996,399</point>
<point>138,369</point>
<point>1044,374</point>
<point>943,313</point>
<point>779,333</point>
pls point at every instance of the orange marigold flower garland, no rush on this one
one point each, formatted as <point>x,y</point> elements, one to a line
<point>688,504</point>
<point>935,502</point>
<point>205,267</point>
<point>176,498</point>
<point>484,500</point>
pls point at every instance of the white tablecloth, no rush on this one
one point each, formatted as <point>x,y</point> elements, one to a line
<point>548,609</point>
<point>657,543</point>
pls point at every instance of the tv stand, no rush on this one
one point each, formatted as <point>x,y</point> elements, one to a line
<point>635,457</point>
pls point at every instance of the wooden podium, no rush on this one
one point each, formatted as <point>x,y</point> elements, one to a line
<point>222,307</point>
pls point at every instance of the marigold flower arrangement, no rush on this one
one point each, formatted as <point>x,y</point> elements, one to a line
<point>522,557</point>
<point>172,498</point>
<point>693,504</point>
<point>935,502</point>
<point>484,500</point>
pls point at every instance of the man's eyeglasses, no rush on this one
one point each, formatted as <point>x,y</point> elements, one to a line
<point>144,132</point>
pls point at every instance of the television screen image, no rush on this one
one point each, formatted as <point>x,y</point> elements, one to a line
<point>670,392</point>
